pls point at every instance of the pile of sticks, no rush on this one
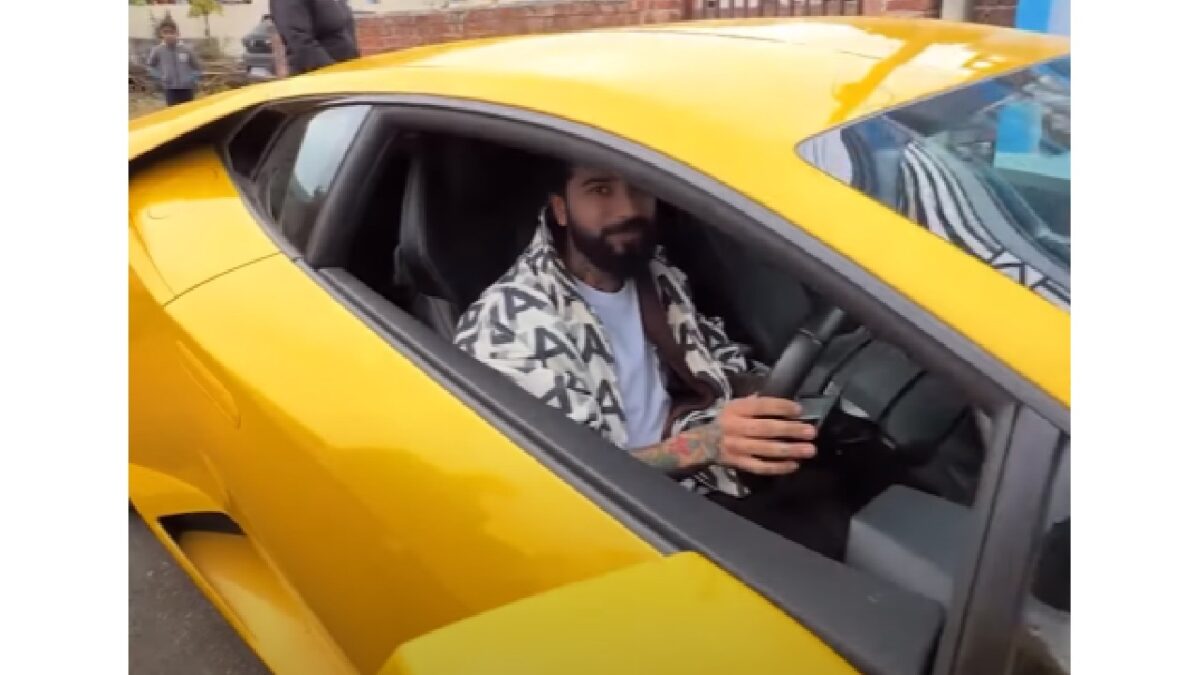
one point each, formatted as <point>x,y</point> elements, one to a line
<point>217,76</point>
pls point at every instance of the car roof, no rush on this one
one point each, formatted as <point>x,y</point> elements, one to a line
<point>733,99</point>
<point>821,71</point>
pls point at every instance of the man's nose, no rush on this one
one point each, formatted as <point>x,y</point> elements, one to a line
<point>623,204</point>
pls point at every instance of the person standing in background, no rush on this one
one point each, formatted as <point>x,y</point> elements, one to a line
<point>316,33</point>
<point>174,66</point>
<point>278,51</point>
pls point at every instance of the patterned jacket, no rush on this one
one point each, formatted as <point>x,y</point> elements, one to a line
<point>534,327</point>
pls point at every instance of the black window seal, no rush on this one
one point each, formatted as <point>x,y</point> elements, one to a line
<point>984,616</point>
<point>879,628</point>
<point>293,109</point>
<point>300,233</point>
<point>335,227</point>
<point>884,309</point>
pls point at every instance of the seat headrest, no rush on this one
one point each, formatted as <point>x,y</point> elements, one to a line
<point>470,207</point>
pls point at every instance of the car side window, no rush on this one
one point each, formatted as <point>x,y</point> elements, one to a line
<point>1044,636</point>
<point>302,164</point>
<point>986,167</point>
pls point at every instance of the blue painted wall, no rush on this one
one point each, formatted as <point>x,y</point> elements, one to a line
<point>1045,16</point>
<point>1020,127</point>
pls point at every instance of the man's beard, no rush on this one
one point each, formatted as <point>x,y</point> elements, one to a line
<point>600,252</point>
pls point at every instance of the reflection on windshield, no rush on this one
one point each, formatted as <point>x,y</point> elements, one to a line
<point>986,167</point>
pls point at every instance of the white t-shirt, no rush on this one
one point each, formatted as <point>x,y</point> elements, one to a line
<point>639,377</point>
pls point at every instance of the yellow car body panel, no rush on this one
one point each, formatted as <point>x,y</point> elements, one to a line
<point>188,223</point>
<point>249,594</point>
<point>619,623</point>
<point>435,515</point>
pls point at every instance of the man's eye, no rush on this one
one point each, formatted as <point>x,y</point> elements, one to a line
<point>602,190</point>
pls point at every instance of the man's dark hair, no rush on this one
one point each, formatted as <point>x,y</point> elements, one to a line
<point>167,24</point>
<point>558,172</point>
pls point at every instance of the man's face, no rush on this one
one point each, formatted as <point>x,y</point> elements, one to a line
<point>169,36</point>
<point>608,221</point>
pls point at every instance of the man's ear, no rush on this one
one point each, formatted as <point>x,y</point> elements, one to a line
<point>558,206</point>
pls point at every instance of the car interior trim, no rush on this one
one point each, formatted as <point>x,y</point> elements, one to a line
<point>983,614</point>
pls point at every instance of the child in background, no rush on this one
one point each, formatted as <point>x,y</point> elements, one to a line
<point>174,65</point>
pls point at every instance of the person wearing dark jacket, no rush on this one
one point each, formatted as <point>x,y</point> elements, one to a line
<point>174,66</point>
<point>315,33</point>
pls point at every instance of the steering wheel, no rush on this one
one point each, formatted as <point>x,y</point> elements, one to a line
<point>793,367</point>
<point>801,354</point>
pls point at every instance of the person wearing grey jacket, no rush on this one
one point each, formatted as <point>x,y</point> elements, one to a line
<point>316,33</point>
<point>175,66</point>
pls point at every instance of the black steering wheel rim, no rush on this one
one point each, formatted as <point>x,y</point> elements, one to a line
<point>800,356</point>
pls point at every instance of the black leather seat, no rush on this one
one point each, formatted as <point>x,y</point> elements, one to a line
<point>470,208</point>
<point>761,305</point>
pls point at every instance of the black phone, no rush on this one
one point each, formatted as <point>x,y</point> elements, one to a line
<point>815,410</point>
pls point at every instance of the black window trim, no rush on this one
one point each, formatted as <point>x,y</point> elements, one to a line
<point>291,239</point>
<point>245,184</point>
<point>984,618</point>
<point>327,242</point>
<point>272,146</point>
<point>299,234</point>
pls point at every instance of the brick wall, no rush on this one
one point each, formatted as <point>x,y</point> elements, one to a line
<point>927,8</point>
<point>995,12</point>
<point>408,29</point>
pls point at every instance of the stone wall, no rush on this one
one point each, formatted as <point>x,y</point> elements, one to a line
<point>995,12</point>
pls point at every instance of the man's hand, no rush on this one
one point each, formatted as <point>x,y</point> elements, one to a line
<point>747,435</point>
<point>762,435</point>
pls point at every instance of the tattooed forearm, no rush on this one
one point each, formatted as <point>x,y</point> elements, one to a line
<point>691,450</point>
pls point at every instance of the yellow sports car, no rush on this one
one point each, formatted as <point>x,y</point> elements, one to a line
<point>356,494</point>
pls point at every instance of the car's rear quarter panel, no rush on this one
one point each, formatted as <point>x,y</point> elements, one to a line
<point>188,220</point>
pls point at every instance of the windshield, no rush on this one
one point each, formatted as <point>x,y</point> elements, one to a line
<point>987,167</point>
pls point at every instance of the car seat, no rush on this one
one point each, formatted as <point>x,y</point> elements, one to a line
<point>470,208</point>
